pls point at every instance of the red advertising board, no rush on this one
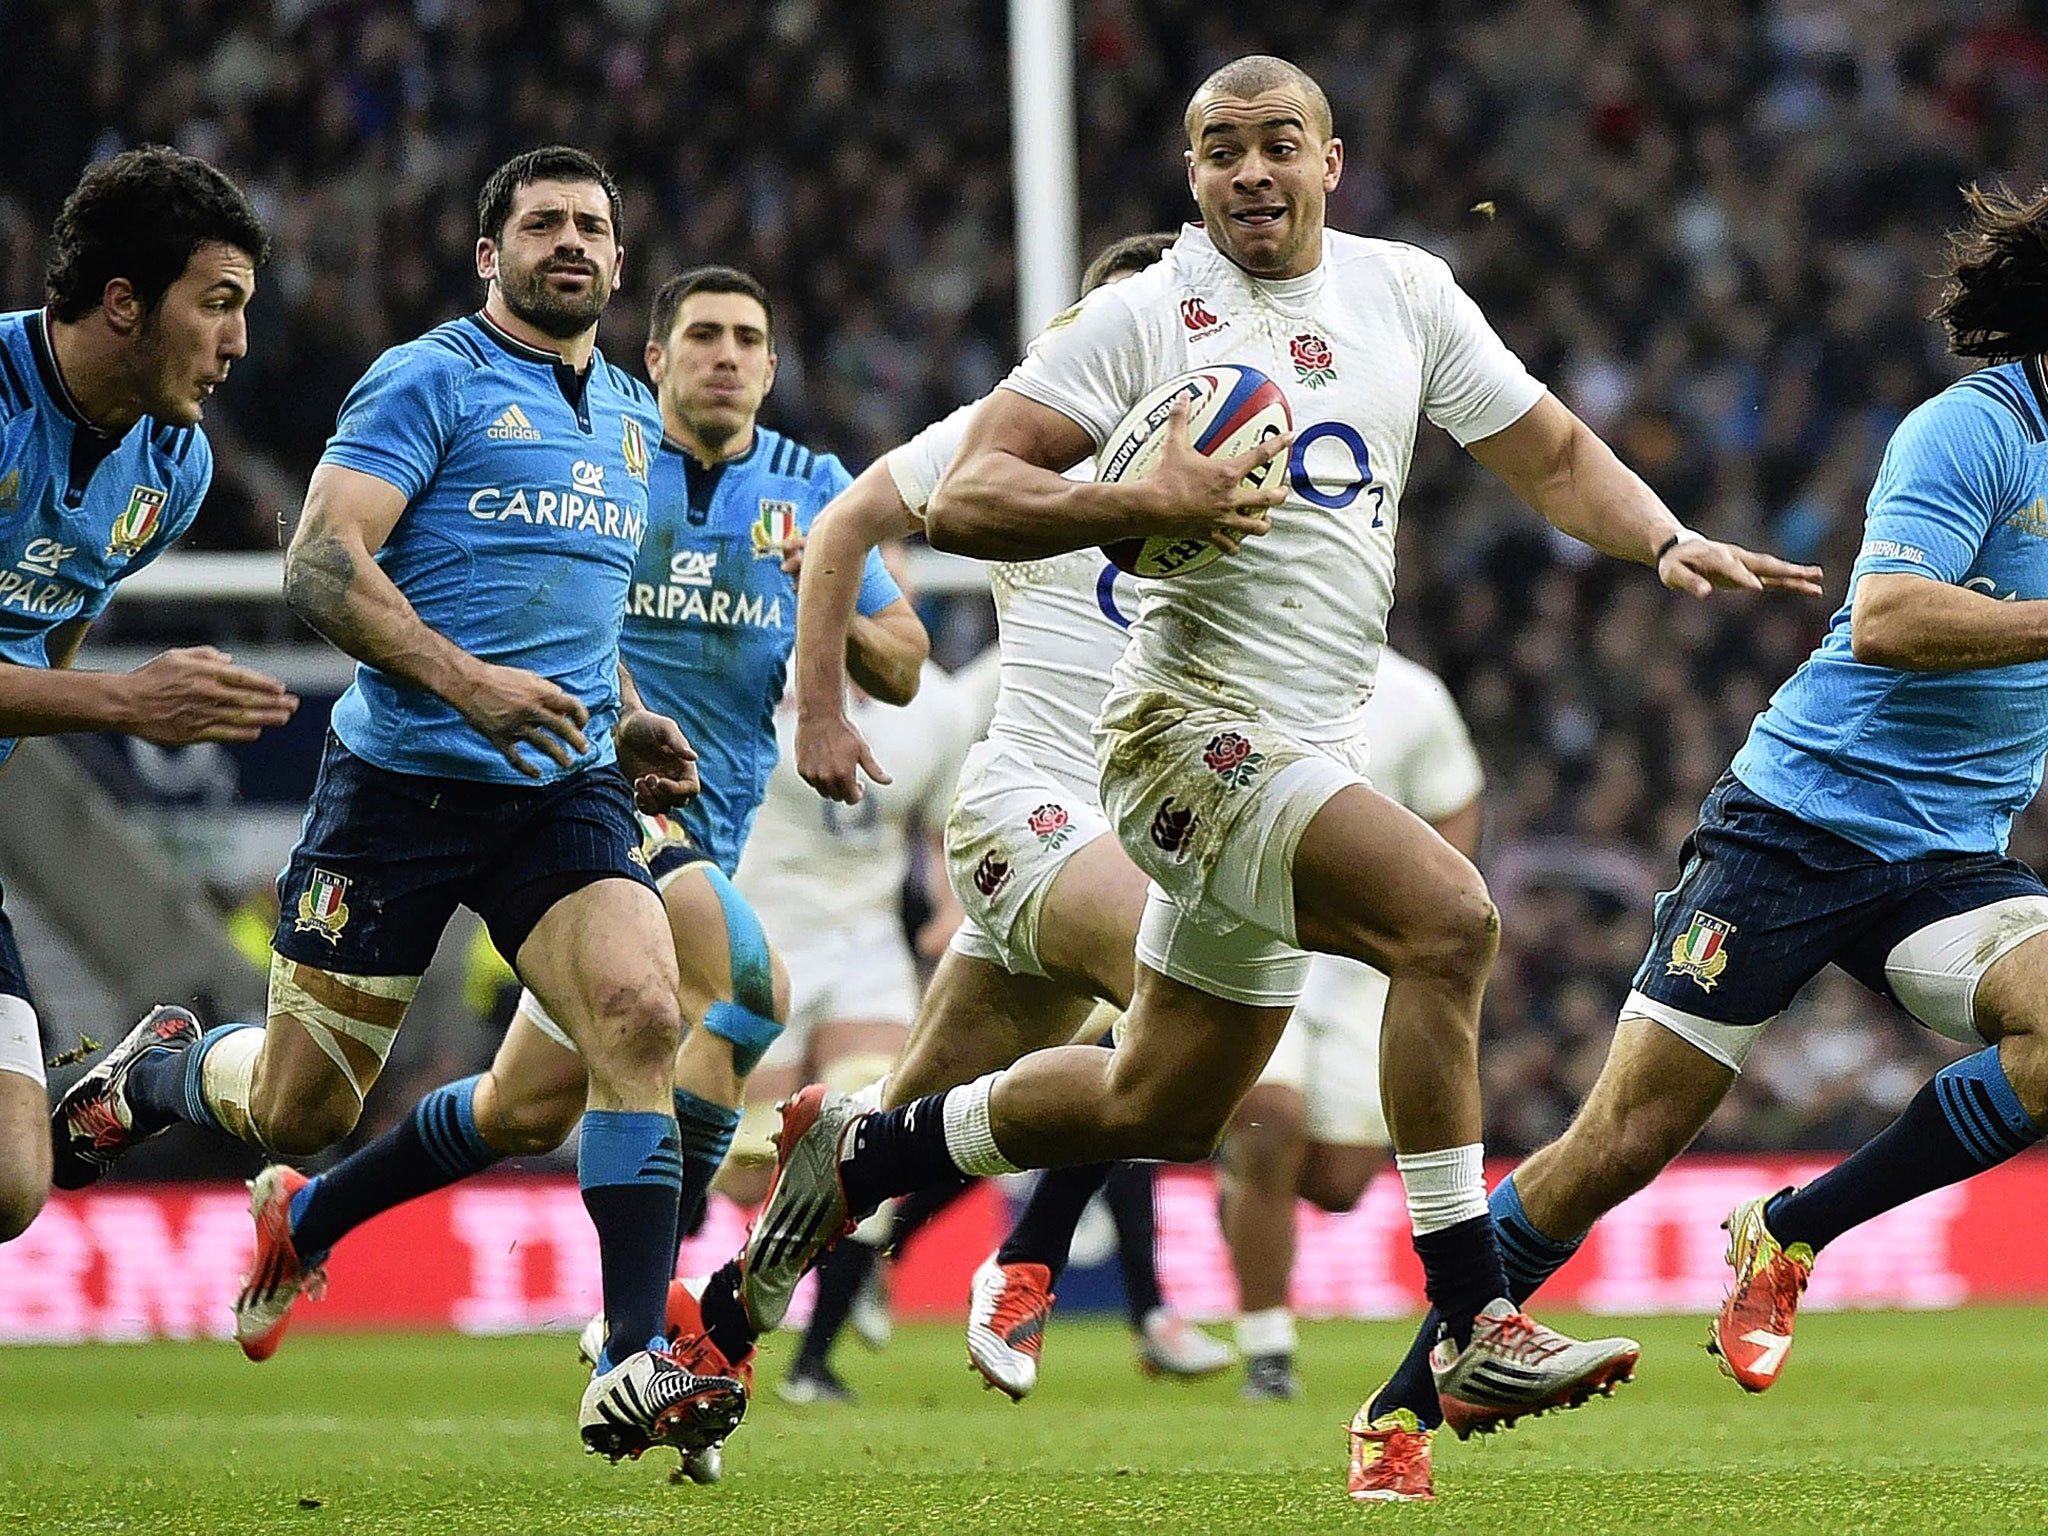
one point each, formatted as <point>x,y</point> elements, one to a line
<point>505,1255</point>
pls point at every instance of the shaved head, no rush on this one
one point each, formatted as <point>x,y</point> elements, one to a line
<point>1254,75</point>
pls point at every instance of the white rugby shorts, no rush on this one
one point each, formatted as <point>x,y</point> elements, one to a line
<point>1330,1053</point>
<point>1013,825</point>
<point>860,974</point>
<point>1212,804</point>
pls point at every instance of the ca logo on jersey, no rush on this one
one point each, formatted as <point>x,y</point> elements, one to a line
<point>42,557</point>
<point>1701,952</point>
<point>137,522</point>
<point>322,909</point>
<point>634,446</point>
<point>587,477</point>
<point>774,528</point>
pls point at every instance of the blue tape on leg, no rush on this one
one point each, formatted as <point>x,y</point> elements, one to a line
<point>753,973</point>
<point>749,1032</point>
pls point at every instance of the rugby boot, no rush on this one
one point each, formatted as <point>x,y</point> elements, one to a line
<point>650,1398</point>
<point>1008,1307</point>
<point>1752,1336</point>
<point>1170,1345</point>
<point>1389,1459</point>
<point>805,1212</point>
<point>277,1276</point>
<point>93,1123</point>
<point>1515,1367</point>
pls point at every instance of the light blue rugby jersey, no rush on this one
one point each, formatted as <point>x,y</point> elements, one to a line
<point>1913,763</point>
<point>712,618</point>
<point>526,501</point>
<point>79,509</point>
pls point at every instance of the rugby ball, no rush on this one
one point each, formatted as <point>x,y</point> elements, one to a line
<point>1231,410</point>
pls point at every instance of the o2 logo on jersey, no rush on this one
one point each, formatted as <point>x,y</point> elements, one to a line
<point>1106,595</point>
<point>587,477</point>
<point>1352,480</point>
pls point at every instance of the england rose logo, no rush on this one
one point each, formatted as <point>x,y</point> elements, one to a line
<point>1314,364</point>
<point>1230,757</point>
<point>1051,824</point>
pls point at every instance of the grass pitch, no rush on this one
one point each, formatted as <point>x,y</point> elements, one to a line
<point>1885,1422</point>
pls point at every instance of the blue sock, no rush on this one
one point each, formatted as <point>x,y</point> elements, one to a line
<point>1964,1119</point>
<point>1529,1256</point>
<point>632,1178</point>
<point>704,1132</point>
<point>435,1145</point>
<point>163,1086</point>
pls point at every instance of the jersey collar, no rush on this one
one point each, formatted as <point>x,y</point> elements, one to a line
<point>44,350</point>
<point>571,383</point>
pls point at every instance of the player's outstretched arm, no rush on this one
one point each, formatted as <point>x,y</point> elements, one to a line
<point>333,582</point>
<point>831,754</point>
<point>1559,466</point>
<point>181,697</point>
<point>653,752</point>
<point>1005,498</point>
<point>1920,624</point>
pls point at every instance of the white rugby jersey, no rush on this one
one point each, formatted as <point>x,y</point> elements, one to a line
<point>1421,753</point>
<point>1379,335</point>
<point>1061,625</point>
<point>813,864</point>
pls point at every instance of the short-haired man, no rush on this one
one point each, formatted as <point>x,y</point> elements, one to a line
<point>103,466</point>
<point>469,537</point>
<point>708,629</point>
<point>1229,746</point>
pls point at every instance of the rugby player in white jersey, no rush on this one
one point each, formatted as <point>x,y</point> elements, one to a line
<point>1253,672</point>
<point>1052,902</point>
<point>1311,1128</point>
<point>827,880</point>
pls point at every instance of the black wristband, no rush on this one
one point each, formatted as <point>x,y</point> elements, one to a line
<point>1665,548</point>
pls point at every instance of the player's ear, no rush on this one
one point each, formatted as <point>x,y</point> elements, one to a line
<point>768,382</point>
<point>123,306</point>
<point>487,259</point>
<point>1333,164</point>
<point>657,364</point>
<point>1189,156</point>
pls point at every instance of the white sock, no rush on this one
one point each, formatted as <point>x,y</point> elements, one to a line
<point>1444,1188</point>
<point>969,1140</point>
<point>1270,1332</point>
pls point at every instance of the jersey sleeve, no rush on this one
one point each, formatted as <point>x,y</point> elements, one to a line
<point>878,588</point>
<point>1442,773</point>
<point>1090,363</point>
<point>1946,478</point>
<point>1473,385</point>
<point>918,465</point>
<point>398,421</point>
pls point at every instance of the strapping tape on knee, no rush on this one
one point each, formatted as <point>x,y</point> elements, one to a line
<point>753,973</point>
<point>749,1033</point>
<point>332,1007</point>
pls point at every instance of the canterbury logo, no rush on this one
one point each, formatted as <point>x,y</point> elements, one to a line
<point>513,426</point>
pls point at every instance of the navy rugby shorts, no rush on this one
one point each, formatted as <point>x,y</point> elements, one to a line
<point>1765,901</point>
<point>385,858</point>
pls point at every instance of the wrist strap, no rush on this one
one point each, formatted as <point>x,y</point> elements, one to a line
<point>1670,544</point>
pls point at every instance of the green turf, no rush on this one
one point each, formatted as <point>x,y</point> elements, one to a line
<point>1906,1423</point>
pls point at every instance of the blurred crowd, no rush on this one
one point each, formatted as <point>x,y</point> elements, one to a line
<point>1710,224</point>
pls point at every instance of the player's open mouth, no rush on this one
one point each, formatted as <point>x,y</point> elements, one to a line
<point>1259,218</point>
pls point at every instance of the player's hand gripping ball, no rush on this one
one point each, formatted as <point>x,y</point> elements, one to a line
<point>1232,409</point>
